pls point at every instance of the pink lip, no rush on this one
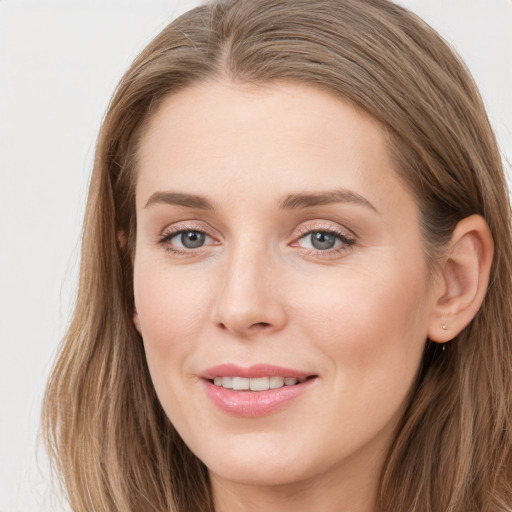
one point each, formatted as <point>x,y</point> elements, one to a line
<point>251,404</point>
<point>251,372</point>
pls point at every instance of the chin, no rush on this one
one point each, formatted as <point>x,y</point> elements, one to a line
<point>260,462</point>
<point>265,473</point>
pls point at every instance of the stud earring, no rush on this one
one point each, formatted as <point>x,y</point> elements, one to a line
<point>445,328</point>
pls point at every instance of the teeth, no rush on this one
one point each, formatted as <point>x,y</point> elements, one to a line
<point>227,382</point>
<point>260,384</point>
<point>240,383</point>
<point>256,384</point>
<point>276,382</point>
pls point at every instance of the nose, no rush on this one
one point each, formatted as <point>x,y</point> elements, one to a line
<point>250,299</point>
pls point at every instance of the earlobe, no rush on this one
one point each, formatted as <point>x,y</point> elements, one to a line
<point>463,279</point>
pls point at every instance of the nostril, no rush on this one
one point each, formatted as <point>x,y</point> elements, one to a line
<point>260,325</point>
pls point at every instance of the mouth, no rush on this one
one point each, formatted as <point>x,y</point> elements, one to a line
<point>257,383</point>
<point>255,391</point>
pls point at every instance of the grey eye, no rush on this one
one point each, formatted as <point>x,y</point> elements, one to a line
<point>322,240</point>
<point>192,239</point>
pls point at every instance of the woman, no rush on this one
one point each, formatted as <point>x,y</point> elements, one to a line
<point>295,290</point>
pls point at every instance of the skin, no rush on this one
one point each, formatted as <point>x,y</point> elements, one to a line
<point>356,316</point>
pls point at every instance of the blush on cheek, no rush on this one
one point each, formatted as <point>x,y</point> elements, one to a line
<point>166,306</point>
<point>362,323</point>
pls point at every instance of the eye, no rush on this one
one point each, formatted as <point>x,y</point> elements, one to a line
<point>190,239</point>
<point>185,239</point>
<point>324,240</point>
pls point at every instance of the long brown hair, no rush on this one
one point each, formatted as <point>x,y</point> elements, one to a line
<point>111,442</point>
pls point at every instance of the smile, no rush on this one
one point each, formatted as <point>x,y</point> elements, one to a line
<point>257,390</point>
<point>257,383</point>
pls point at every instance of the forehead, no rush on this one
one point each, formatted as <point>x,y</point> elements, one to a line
<point>225,138</point>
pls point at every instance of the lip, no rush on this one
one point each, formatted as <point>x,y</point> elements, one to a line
<point>252,404</point>
<point>252,372</point>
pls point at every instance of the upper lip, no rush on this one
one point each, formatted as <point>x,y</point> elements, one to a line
<point>252,372</point>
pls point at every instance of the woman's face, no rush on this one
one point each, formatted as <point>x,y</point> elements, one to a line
<point>275,241</point>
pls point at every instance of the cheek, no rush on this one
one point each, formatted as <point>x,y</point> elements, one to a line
<point>172,312</point>
<point>375,324</point>
<point>372,336</point>
<point>169,305</point>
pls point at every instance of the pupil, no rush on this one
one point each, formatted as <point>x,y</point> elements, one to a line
<point>321,240</point>
<point>192,239</point>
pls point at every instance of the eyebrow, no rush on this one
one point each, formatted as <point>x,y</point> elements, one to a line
<point>290,202</point>
<point>179,199</point>
<point>306,200</point>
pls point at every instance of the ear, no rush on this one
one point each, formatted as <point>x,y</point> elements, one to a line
<point>122,239</point>
<point>463,278</point>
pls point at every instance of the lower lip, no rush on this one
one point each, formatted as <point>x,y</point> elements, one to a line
<point>251,404</point>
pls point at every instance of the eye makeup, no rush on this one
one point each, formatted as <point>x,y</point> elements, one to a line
<point>321,239</point>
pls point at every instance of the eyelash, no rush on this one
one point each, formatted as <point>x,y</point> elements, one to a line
<point>168,235</point>
<point>346,240</point>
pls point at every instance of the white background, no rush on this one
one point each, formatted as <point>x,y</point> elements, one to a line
<point>59,64</point>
